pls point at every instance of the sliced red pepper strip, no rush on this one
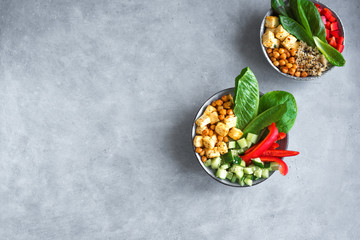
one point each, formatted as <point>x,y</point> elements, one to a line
<point>263,145</point>
<point>283,167</point>
<point>279,153</point>
<point>274,146</point>
<point>281,136</point>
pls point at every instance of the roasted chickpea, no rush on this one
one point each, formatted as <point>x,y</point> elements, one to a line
<point>219,102</point>
<point>203,158</point>
<point>222,112</point>
<point>291,60</point>
<point>289,65</point>
<point>281,62</point>
<point>198,150</point>
<point>211,132</point>
<point>283,56</point>
<point>304,74</point>
<point>220,138</point>
<point>295,65</point>
<point>205,132</point>
<point>219,108</point>
<point>276,55</point>
<point>281,50</point>
<point>230,112</point>
<point>285,70</point>
<point>221,117</point>
<point>288,54</point>
<point>213,104</point>
<point>273,59</point>
<point>227,105</point>
<point>297,74</point>
<point>202,153</point>
<point>293,52</point>
<point>224,98</point>
<point>269,50</point>
<point>212,127</point>
<point>292,71</point>
<point>226,139</point>
<point>270,55</point>
<point>276,63</point>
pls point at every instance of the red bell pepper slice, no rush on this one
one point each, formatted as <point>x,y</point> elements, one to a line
<point>340,40</point>
<point>283,167</point>
<point>274,146</point>
<point>328,25</point>
<point>334,26</point>
<point>327,33</point>
<point>332,19</point>
<point>335,33</point>
<point>340,48</point>
<point>317,5</point>
<point>327,13</point>
<point>281,136</point>
<point>263,145</point>
<point>333,42</point>
<point>279,153</point>
<point>323,18</point>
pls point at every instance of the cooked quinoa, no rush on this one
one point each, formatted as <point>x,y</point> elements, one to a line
<point>310,60</point>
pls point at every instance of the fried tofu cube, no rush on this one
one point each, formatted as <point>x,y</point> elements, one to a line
<point>296,46</point>
<point>289,42</point>
<point>269,40</point>
<point>235,133</point>
<point>230,121</point>
<point>271,30</point>
<point>199,130</point>
<point>214,117</point>
<point>208,142</point>
<point>222,129</point>
<point>198,141</point>
<point>281,33</point>
<point>222,147</point>
<point>203,121</point>
<point>209,109</point>
<point>271,22</point>
<point>212,153</point>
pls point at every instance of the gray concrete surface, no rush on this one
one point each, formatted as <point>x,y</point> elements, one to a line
<point>96,104</point>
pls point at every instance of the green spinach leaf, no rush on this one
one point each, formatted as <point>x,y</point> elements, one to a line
<point>302,16</point>
<point>246,100</point>
<point>314,19</point>
<point>279,7</point>
<point>266,118</point>
<point>294,10</point>
<point>331,54</point>
<point>297,30</point>
<point>274,98</point>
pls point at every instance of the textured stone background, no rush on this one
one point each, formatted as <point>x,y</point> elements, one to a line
<point>96,104</point>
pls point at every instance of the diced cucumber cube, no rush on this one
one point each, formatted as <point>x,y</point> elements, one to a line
<point>233,179</point>
<point>237,152</point>
<point>258,173</point>
<point>274,166</point>
<point>221,173</point>
<point>232,144</point>
<point>249,143</point>
<point>248,170</point>
<point>225,166</point>
<point>252,137</point>
<point>252,166</point>
<point>239,174</point>
<point>265,173</point>
<point>229,175</point>
<point>207,163</point>
<point>215,163</point>
<point>241,181</point>
<point>248,181</point>
<point>243,163</point>
<point>257,162</point>
<point>242,143</point>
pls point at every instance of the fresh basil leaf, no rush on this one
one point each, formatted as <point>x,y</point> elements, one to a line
<point>246,98</point>
<point>302,16</point>
<point>274,98</point>
<point>314,19</point>
<point>266,118</point>
<point>331,54</point>
<point>297,30</point>
<point>279,7</point>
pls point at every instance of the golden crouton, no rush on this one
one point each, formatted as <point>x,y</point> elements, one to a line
<point>271,30</point>
<point>203,121</point>
<point>208,142</point>
<point>230,121</point>
<point>214,117</point>
<point>198,141</point>
<point>281,33</point>
<point>209,109</point>
<point>271,22</point>
<point>199,130</point>
<point>222,147</point>
<point>235,133</point>
<point>289,42</point>
<point>212,153</point>
<point>221,129</point>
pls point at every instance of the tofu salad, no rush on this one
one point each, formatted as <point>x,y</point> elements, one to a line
<point>302,38</point>
<point>237,134</point>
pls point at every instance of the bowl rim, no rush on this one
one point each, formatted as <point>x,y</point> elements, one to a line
<point>197,156</point>
<point>262,30</point>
